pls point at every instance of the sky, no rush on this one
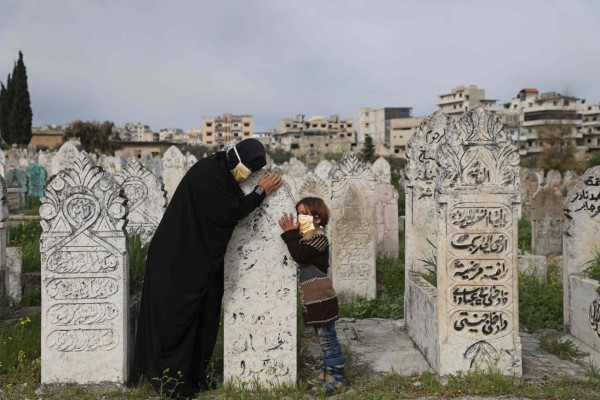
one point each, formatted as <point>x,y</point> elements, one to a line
<point>169,63</point>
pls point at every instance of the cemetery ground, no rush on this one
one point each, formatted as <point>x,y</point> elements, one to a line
<point>540,304</point>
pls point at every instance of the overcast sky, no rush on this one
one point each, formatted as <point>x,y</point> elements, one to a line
<point>168,63</point>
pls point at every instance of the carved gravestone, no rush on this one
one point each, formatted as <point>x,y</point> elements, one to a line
<point>353,229</point>
<point>313,186</point>
<point>174,166</point>
<point>36,180</point>
<point>386,210</point>
<point>191,160</point>
<point>85,277</point>
<point>146,199</point>
<point>14,192</point>
<point>547,222</point>
<point>312,157</point>
<point>420,297</point>
<point>530,185</point>
<point>64,158</point>
<point>259,304</point>
<point>477,276</point>
<point>3,243</point>
<point>553,178</point>
<point>581,244</point>
<point>17,179</point>
<point>14,273</point>
<point>322,170</point>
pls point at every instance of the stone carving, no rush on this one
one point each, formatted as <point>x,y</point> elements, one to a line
<point>353,249</point>
<point>84,276</point>
<point>36,178</point>
<point>312,157</point>
<point>386,210</point>
<point>313,186</point>
<point>64,158</point>
<point>595,316</point>
<point>581,242</point>
<point>191,160</point>
<point>259,303</point>
<point>174,166</point>
<point>146,199</point>
<point>477,188</point>
<point>546,222</point>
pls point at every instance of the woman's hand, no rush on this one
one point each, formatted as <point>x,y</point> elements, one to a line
<point>270,181</point>
<point>286,222</point>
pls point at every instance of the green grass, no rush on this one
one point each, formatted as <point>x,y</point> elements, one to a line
<point>593,270</point>
<point>137,263</point>
<point>540,302</point>
<point>524,235</point>
<point>32,206</point>
<point>19,344</point>
<point>564,349</point>
<point>430,265</point>
<point>27,236</point>
<point>31,298</point>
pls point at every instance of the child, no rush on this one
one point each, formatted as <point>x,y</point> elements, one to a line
<point>308,246</point>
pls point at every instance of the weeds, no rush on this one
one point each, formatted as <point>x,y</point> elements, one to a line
<point>19,343</point>
<point>593,271</point>
<point>524,235</point>
<point>137,263</point>
<point>540,302</point>
<point>385,306</point>
<point>27,236</point>
<point>430,265</point>
<point>564,349</point>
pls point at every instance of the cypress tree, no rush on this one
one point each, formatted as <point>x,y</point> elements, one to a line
<point>5,109</point>
<point>21,116</point>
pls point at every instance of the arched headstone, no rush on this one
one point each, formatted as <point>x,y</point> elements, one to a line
<point>259,304</point>
<point>386,210</point>
<point>64,158</point>
<point>477,188</point>
<point>146,199</point>
<point>36,178</point>
<point>174,166</point>
<point>313,186</point>
<point>191,160</point>
<point>547,222</point>
<point>322,170</point>
<point>85,277</point>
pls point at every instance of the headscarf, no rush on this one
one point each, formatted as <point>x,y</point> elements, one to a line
<point>252,153</point>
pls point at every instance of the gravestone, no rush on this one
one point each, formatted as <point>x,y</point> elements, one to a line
<point>312,157</point>
<point>44,158</point>
<point>259,304</point>
<point>553,178</point>
<point>23,163</point>
<point>174,166</point>
<point>477,278</point>
<point>36,179</point>
<point>420,227</point>
<point>146,199</point>
<point>20,176</point>
<point>353,249</point>
<point>581,244</point>
<point>14,271</point>
<point>191,160</point>
<point>14,195</point>
<point>547,222</point>
<point>530,185</point>
<point>322,170</point>
<point>85,277</point>
<point>313,186</point>
<point>64,158</point>
<point>3,243</point>
<point>2,162</point>
<point>386,210</point>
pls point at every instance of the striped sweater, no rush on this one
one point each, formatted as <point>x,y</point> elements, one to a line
<point>315,289</point>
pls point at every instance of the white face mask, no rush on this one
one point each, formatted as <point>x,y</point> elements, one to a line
<point>240,172</point>
<point>306,223</point>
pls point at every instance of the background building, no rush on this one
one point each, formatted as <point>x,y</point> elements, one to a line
<point>218,131</point>
<point>389,127</point>
<point>462,98</point>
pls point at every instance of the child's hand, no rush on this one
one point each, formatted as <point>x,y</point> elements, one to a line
<point>286,222</point>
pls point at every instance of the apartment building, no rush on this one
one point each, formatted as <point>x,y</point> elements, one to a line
<point>298,134</point>
<point>139,132</point>
<point>463,98</point>
<point>218,131</point>
<point>402,129</point>
<point>172,135</point>
<point>590,126</point>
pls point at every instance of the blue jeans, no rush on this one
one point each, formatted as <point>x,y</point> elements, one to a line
<point>332,351</point>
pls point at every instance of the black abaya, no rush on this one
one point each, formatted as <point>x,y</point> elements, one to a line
<point>183,283</point>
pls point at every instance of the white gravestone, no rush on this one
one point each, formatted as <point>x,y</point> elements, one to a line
<point>322,169</point>
<point>85,277</point>
<point>14,269</point>
<point>174,166</point>
<point>420,297</point>
<point>313,186</point>
<point>386,210</point>
<point>581,243</point>
<point>64,158</point>
<point>477,275</point>
<point>353,250</point>
<point>146,199</point>
<point>191,160</point>
<point>259,304</point>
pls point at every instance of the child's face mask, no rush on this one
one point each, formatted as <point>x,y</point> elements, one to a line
<point>306,223</point>
<point>240,172</point>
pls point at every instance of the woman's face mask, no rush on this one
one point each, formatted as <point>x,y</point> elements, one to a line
<point>305,223</point>
<point>240,172</point>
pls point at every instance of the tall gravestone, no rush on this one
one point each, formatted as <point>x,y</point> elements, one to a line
<point>3,243</point>
<point>14,273</point>
<point>85,277</point>
<point>420,297</point>
<point>146,199</point>
<point>44,158</point>
<point>191,160</point>
<point>581,244</point>
<point>386,210</point>
<point>36,180</point>
<point>174,166</point>
<point>353,250</point>
<point>259,304</point>
<point>17,179</point>
<point>547,222</point>
<point>477,275</point>
<point>64,157</point>
<point>313,186</point>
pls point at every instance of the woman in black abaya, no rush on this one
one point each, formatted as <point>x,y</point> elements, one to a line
<point>183,285</point>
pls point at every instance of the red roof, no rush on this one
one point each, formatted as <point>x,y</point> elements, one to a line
<point>529,90</point>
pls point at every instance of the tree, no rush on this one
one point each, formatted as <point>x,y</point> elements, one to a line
<point>20,116</point>
<point>594,159</point>
<point>559,153</point>
<point>367,153</point>
<point>6,100</point>
<point>94,136</point>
